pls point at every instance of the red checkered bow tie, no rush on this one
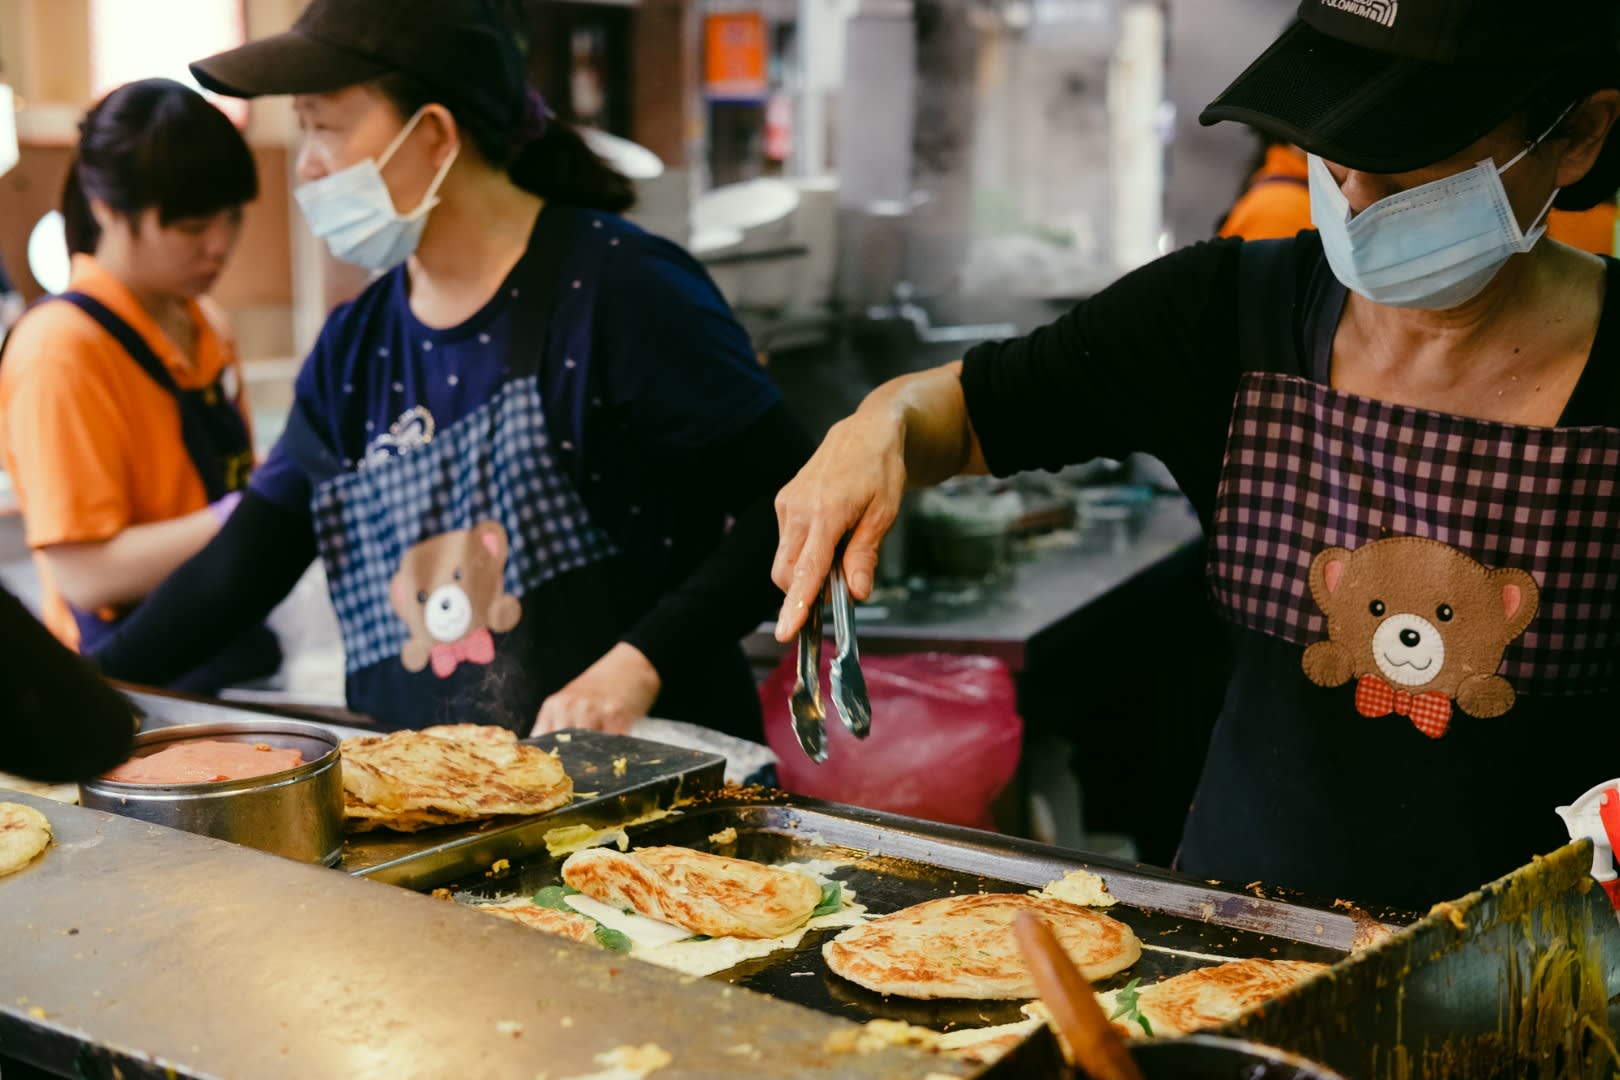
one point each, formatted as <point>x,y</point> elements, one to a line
<point>1430,713</point>
<point>477,647</point>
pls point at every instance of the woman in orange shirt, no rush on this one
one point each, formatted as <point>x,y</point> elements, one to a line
<point>121,419</point>
<point>1275,202</point>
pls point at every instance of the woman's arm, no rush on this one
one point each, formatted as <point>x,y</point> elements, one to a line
<point>227,588</point>
<point>123,569</point>
<point>722,599</point>
<point>61,720</point>
<point>1149,364</point>
<point>913,430</point>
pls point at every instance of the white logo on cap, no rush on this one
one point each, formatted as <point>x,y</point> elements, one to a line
<point>1381,12</point>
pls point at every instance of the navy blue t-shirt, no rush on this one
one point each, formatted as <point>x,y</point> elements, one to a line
<point>670,355</point>
<point>667,380</point>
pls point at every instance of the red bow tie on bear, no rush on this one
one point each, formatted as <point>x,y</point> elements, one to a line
<point>477,647</point>
<point>1430,713</point>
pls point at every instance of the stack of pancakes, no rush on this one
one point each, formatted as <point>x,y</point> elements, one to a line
<point>413,780</point>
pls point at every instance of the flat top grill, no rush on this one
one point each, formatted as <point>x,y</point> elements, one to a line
<point>1186,924</point>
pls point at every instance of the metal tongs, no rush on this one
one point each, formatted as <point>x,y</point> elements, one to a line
<point>849,695</point>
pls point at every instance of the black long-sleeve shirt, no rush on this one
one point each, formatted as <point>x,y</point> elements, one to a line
<point>59,720</point>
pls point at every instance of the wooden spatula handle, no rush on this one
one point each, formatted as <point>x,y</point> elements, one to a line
<point>1097,1047</point>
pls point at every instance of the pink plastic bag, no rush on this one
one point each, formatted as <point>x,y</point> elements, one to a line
<point>945,739</point>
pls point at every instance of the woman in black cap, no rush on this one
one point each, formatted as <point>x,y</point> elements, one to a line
<point>1402,435</point>
<point>537,454</point>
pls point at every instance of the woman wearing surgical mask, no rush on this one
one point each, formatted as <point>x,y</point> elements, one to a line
<point>122,423</point>
<point>536,456</point>
<point>1401,434</point>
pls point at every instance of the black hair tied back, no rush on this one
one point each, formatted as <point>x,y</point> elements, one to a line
<point>542,155</point>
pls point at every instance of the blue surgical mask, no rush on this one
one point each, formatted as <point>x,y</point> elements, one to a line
<point>353,213</point>
<point>1434,246</point>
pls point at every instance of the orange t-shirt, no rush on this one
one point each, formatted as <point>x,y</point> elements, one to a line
<point>1277,203</point>
<point>1590,230</point>
<point>91,442</point>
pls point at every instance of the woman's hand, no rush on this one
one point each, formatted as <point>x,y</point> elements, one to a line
<point>853,485</point>
<point>609,696</point>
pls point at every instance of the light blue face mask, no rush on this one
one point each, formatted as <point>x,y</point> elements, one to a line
<point>353,212</point>
<point>1434,246</point>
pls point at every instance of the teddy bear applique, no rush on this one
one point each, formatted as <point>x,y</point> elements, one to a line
<point>1420,626</point>
<point>450,590</point>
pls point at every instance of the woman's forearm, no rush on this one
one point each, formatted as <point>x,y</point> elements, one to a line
<point>937,439</point>
<point>214,597</point>
<point>127,567</point>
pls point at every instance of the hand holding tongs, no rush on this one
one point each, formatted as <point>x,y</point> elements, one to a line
<point>848,684</point>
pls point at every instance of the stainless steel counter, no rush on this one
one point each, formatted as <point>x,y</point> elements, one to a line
<point>1036,613</point>
<point>159,952</point>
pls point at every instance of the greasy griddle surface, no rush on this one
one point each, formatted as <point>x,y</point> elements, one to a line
<point>886,884</point>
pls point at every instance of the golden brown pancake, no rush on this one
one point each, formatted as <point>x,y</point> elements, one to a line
<point>964,947</point>
<point>706,894</point>
<point>566,924</point>
<point>410,780</point>
<point>1211,996</point>
<point>24,833</point>
<point>358,817</point>
<point>476,734</point>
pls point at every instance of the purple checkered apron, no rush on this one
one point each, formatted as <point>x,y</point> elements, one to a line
<point>1308,467</point>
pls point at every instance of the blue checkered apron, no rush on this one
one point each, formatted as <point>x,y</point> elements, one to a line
<point>514,461</point>
<point>497,463</point>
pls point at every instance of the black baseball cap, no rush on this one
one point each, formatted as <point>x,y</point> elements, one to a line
<point>1394,85</point>
<point>461,50</point>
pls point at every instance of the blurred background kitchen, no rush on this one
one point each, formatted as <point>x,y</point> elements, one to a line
<point>875,185</point>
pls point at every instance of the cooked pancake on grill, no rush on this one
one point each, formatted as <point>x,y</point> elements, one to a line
<point>24,833</point>
<point>411,780</point>
<point>706,894</point>
<point>964,947</point>
<point>1208,997</point>
<point>562,923</point>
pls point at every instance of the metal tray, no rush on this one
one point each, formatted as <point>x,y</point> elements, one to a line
<point>653,777</point>
<point>895,862</point>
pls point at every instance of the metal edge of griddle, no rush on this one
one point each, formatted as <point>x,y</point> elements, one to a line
<point>1518,978</point>
<point>402,986</point>
<point>686,774</point>
<point>1309,920</point>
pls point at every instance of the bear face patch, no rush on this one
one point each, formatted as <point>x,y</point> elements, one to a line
<point>1420,626</point>
<point>450,591</point>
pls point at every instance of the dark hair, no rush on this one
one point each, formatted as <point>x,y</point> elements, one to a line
<point>155,143</point>
<point>542,155</point>
<point>1602,181</point>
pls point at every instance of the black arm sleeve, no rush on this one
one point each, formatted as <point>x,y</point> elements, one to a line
<point>730,592</point>
<point>62,721</point>
<point>218,594</point>
<point>1150,364</point>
